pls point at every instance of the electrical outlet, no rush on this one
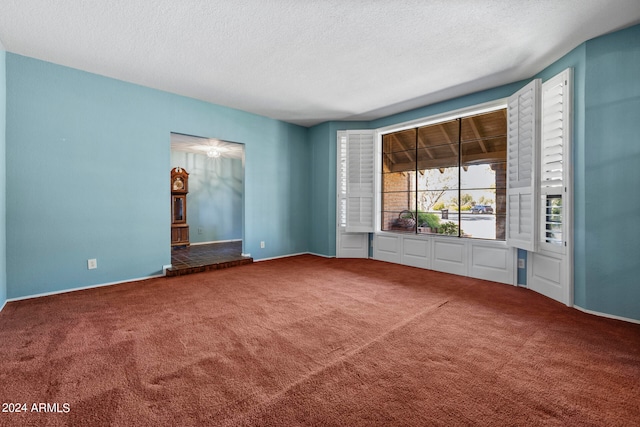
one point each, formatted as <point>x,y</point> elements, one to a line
<point>520,263</point>
<point>92,264</point>
<point>199,230</point>
<point>262,245</point>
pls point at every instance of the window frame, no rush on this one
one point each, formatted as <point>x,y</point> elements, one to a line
<point>460,113</point>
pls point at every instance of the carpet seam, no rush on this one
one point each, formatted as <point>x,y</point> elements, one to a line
<point>280,394</point>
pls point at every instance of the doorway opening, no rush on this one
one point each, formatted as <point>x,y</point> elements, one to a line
<point>208,232</point>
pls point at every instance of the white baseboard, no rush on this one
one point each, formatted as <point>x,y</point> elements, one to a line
<point>64,291</point>
<point>279,256</point>
<point>609,316</point>
<point>287,256</point>
<point>320,255</point>
<point>3,305</point>
<point>216,241</point>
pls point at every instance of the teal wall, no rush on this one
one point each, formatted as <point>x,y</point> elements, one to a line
<point>322,193</point>
<point>214,202</point>
<point>87,164</point>
<point>3,222</point>
<point>612,164</point>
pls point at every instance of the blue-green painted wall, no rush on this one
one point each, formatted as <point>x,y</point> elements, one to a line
<point>214,202</point>
<point>321,190</point>
<point>611,206</point>
<point>3,222</point>
<point>87,164</point>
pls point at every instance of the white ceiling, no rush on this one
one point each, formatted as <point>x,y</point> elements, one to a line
<point>309,61</point>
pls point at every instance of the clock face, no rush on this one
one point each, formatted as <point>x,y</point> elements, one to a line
<point>178,184</point>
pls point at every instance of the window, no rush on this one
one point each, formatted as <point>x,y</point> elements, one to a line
<point>486,172</point>
<point>447,178</point>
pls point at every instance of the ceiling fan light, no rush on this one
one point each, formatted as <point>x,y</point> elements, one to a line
<point>213,153</point>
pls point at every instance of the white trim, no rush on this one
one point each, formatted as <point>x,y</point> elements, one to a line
<point>245,255</point>
<point>320,255</point>
<point>282,256</point>
<point>64,291</point>
<point>165,268</point>
<point>569,184</point>
<point>377,170</point>
<point>485,107</point>
<point>4,304</point>
<point>291,255</point>
<point>216,241</point>
<point>608,316</point>
<point>339,207</point>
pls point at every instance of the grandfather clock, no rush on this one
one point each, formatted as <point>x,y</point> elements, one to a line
<point>179,190</point>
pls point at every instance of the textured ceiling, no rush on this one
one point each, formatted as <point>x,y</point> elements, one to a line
<point>305,61</point>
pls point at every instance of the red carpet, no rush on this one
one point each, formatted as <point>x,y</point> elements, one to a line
<point>313,341</point>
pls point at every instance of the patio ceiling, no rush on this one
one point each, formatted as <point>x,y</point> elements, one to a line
<point>472,140</point>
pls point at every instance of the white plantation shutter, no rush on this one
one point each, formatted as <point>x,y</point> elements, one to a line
<point>360,196</point>
<point>522,160</point>
<point>342,180</point>
<point>554,145</point>
<point>355,193</point>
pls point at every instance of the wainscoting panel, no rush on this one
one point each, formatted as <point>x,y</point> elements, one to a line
<point>353,245</point>
<point>546,274</point>
<point>546,268</point>
<point>491,262</point>
<point>482,259</point>
<point>387,248</point>
<point>449,256</point>
<point>416,252</point>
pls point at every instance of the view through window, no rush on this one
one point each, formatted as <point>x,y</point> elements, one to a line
<point>447,178</point>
